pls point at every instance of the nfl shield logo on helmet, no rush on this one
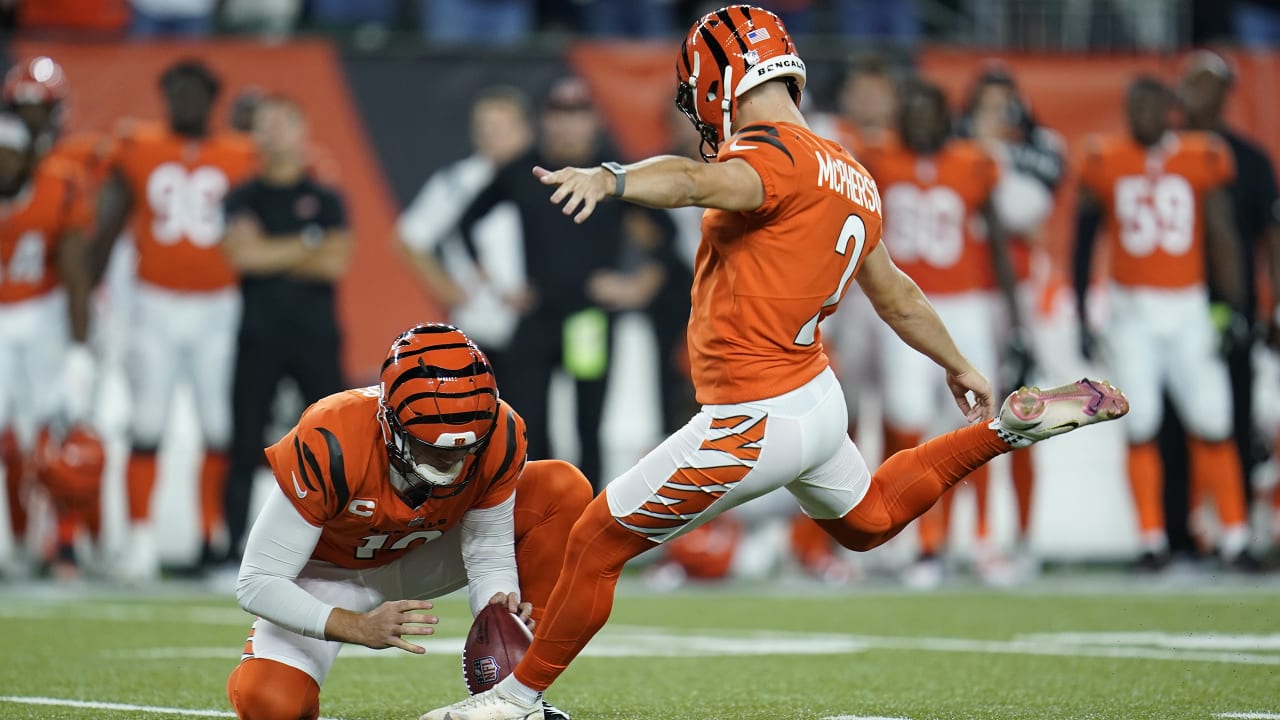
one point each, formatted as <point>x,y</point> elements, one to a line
<point>485,670</point>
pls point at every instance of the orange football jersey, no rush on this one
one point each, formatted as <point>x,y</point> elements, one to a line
<point>32,224</point>
<point>1152,203</point>
<point>178,185</point>
<point>764,279</point>
<point>333,466</point>
<point>930,204</point>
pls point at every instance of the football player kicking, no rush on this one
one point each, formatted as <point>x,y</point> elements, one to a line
<point>790,219</point>
<point>389,496</point>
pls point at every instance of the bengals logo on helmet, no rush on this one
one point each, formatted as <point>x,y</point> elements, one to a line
<point>727,53</point>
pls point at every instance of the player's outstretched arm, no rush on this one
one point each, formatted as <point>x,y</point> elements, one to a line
<point>666,181</point>
<point>903,306</point>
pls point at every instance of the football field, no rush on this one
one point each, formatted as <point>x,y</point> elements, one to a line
<point>1085,646</point>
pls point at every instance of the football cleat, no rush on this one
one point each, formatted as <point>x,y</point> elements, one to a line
<point>1030,415</point>
<point>551,712</point>
<point>491,704</point>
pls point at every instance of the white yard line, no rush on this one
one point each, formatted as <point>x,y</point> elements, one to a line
<point>861,717</point>
<point>1250,716</point>
<point>635,641</point>
<point>125,707</point>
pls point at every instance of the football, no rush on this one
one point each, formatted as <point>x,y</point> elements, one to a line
<point>497,641</point>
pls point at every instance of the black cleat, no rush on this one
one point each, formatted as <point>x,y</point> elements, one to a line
<point>551,712</point>
<point>1152,562</point>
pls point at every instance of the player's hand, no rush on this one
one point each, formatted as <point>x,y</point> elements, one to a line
<point>982,407</point>
<point>577,187</point>
<point>1234,331</point>
<point>522,610</point>
<point>382,627</point>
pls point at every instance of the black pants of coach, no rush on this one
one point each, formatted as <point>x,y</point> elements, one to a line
<point>265,357</point>
<point>524,379</point>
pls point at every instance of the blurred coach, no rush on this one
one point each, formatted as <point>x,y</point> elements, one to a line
<point>287,238</point>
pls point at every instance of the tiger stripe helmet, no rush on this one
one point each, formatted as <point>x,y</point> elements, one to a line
<point>725,54</point>
<point>437,391</point>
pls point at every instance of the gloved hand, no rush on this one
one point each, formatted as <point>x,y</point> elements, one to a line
<point>79,377</point>
<point>1019,360</point>
<point>1234,330</point>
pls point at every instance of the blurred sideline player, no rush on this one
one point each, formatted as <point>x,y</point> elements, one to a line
<point>1160,195</point>
<point>482,302</point>
<point>1205,89</point>
<point>791,220</point>
<point>45,375</point>
<point>866,125</point>
<point>1032,162</point>
<point>940,226</point>
<point>387,497</point>
<point>168,182</point>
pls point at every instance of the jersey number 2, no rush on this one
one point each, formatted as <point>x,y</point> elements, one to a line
<point>853,229</point>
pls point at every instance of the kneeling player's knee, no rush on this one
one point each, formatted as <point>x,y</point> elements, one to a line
<point>261,689</point>
<point>556,482</point>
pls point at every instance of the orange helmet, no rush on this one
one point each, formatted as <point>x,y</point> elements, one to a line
<point>439,405</point>
<point>69,464</point>
<point>727,53</point>
<point>38,81</point>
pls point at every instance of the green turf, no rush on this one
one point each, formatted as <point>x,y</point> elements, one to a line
<point>924,656</point>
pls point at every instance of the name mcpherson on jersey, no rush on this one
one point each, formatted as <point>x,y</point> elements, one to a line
<point>841,177</point>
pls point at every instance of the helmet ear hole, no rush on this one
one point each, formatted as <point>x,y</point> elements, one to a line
<point>713,91</point>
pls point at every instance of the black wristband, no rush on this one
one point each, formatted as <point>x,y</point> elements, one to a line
<point>619,177</point>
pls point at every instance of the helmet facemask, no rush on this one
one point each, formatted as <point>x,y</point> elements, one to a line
<point>416,481</point>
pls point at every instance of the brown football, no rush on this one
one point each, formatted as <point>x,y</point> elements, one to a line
<point>497,641</point>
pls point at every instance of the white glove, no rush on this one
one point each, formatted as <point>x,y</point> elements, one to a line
<point>79,377</point>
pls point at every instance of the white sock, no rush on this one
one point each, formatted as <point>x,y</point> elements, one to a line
<point>1234,540</point>
<point>519,692</point>
<point>1155,541</point>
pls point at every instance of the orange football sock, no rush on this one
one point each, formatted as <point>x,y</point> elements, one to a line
<point>1023,470</point>
<point>68,522</point>
<point>261,689</point>
<point>15,468</point>
<point>896,440</point>
<point>809,542</point>
<point>910,482</point>
<point>550,498</point>
<point>1216,469</point>
<point>140,476</point>
<point>980,479</point>
<point>1146,480</point>
<point>933,525</point>
<point>213,478</point>
<point>598,547</point>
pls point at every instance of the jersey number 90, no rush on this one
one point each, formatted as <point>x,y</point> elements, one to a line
<point>186,204</point>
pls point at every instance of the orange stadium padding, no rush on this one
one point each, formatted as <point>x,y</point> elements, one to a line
<point>110,81</point>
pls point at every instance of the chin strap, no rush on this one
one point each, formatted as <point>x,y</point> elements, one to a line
<point>726,103</point>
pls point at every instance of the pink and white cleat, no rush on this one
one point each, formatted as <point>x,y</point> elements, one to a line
<point>1030,414</point>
